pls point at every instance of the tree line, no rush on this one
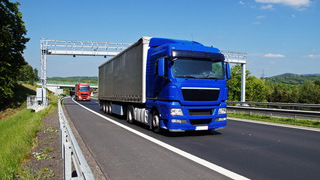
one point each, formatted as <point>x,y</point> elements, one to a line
<point>262,90</point>
<point>13,67</point>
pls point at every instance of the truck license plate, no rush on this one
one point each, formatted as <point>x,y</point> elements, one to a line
<point>201,128</point>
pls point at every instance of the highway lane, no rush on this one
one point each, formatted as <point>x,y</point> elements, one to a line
<point>123,155</point>
<point>253,150</point>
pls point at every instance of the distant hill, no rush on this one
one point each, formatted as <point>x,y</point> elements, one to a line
<point>293,79</point>
<point>93,79</point>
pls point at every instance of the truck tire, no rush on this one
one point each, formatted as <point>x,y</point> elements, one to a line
<point>109,109</point>
<point>104,107</point>
<point>155,123</point>
<point>130,114</point>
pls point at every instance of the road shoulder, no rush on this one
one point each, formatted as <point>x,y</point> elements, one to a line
<point>45,159</point>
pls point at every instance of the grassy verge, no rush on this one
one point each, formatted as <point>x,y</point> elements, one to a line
<point>18,102</point>
<point>17,134</point>
<point>280,120</point>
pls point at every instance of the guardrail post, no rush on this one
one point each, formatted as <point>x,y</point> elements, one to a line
<point>67,161</point>
<point>63,138</point>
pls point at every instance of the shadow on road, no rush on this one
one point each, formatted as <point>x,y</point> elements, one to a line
<point>191,133</point>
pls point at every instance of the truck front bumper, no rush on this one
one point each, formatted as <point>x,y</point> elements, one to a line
<point>194,118</point>
<point>84,98</point>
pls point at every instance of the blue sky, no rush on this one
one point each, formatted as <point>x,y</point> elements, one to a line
<point>280,36</point>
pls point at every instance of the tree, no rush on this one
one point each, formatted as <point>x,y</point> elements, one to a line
<point>12,44</point>
<point>256,89</point>
<point>283,93</point>
<point>310,93</point>
<point>28,74</point>
<point>35,73</point>
<point>234,84</point>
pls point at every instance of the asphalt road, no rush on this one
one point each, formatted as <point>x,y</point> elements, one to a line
<point>254,151</point>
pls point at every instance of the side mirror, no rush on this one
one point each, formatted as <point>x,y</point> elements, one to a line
<point>161,69</point>
<point>228,72</point>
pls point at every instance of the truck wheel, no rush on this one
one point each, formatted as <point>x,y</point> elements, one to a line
<point>155,122</point>
<point>104,107</point>
<point>109,108</point>
<point>130,115</point>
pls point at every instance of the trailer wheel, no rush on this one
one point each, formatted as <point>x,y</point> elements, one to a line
<point>155,122</point>
<point>104,107</point>
<point>109,109</point>
<point>130,115</point>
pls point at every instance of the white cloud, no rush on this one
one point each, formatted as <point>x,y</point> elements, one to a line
<point>242,3</point>
<point>313,56</point>
<point>274,55</point>
<point>292,3</point>
<point>268,6</point>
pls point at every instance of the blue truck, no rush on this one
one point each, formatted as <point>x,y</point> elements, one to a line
<point>169,84</point>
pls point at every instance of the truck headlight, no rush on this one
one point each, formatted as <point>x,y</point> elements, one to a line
<point>221,119</point>
<point>222,111</point>
<point>176,112</point>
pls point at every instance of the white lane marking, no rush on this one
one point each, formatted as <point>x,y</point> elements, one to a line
<point>276,124</point>
<point>187,155</point>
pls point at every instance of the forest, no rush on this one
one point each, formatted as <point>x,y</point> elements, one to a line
<point>288,88</point>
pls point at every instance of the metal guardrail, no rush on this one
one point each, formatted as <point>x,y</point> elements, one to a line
<point>303,105</point>
<point>71,152</point>
<point>303,114</point>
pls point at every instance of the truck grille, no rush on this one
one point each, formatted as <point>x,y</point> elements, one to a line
<point>197,112</point>
<point>200,121</point>
<point>84,93</point>
<point>200,94</point>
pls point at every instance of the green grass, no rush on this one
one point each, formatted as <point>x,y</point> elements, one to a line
<point>280,120</point>
<point>21,91</point>
<point>16,139</point>
<point>17,136</point>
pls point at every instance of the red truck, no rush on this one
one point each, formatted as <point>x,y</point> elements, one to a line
<point>82,91</point>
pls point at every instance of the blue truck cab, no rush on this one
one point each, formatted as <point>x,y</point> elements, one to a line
<point>167,84</point>
<point>185,86</point>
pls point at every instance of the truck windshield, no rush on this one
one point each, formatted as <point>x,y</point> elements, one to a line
<point>84,88</point>
<point>197,68</point>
